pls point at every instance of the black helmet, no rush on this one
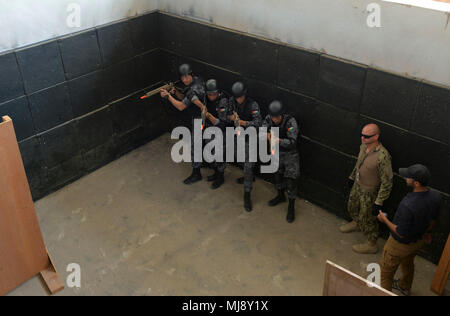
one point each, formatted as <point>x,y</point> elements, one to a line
<point>238,89</point>
<point>211,86</point>
<point>276,108</point>
<point>185,69</point>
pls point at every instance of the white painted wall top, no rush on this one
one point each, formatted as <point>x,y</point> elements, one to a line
<point>411,40</point>
<point>25,22</point>
<point>428,4</point>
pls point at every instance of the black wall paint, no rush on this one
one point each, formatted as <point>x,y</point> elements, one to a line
<point>75,101</point>
<point>332,99</point>
<point>75,104</point>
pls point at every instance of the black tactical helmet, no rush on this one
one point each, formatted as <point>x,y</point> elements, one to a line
<point>276,108</point>
<point>185,69</point>
<point>238,89</point>
<point>211,86</point>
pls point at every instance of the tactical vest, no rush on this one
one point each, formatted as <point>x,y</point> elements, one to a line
<point>283,130</point>
<point>244,110</point>
<point>193,110</point>
<point>283,127</point>
<point>367,168</point>
<point>213,105</point>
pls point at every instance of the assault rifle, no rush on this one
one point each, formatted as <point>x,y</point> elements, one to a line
<point>204,110</point>
<point>236,119</point>
<point>169,87</point>
<point>272,143</point>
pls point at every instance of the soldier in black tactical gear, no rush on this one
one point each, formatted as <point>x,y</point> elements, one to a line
<point>216,104</point>
<point>243,111</point>
<point>288,171</point>
<point>192,98</point>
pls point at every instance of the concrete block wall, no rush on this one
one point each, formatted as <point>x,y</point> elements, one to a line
<point>75,100</point>
<point>332,99</point>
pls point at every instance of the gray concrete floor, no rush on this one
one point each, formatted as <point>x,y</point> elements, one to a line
<point>136,229</point>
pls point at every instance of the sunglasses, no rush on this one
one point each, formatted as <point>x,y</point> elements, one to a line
<point>368,136</point>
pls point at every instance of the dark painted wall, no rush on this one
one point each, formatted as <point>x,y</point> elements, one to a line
<point>75,101</point>
<point>332,101</point>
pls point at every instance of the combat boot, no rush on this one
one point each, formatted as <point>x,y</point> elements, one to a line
<point>369,248</point>
<point>213,177</point>
<point>280,198</point>
<point>349,228</point>
<point>194,177</point>
<point>291,211</point>
<point>218,181</point>
<point>242,179</point>
<point>247,202</point>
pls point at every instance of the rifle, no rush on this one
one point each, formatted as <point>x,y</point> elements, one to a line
<point>236,119</point>
<point>169,86</point>
<point>204,110</point>
<point>272,144</point>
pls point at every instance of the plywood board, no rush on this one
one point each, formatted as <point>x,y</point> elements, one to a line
<point>443,271</point>
<point>22,250</point>
<point>341,282</point>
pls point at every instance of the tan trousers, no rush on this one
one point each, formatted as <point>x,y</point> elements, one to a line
<point>396,254</point>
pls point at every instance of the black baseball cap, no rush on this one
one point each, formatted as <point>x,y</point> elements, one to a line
<point>417,172</point>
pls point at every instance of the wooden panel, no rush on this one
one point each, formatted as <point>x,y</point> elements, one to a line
<point>22,249</point>
<point>443,271</point>
<point>340,282</point>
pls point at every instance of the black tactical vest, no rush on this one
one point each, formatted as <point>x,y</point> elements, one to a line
<point>283,130</point>
<point>213,105</point>
<point>197,87</point>
<point>283,126</point>
<point>244,110</point>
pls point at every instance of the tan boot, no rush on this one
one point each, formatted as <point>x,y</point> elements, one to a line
<point>349,228</point>
<point>369,248</point>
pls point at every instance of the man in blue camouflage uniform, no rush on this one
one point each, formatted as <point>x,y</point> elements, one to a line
<point>289,169</point>
<point>216,115</point>
<point>193,100</point>
<point>245,113</point>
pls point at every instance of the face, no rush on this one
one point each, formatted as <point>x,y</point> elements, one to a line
<point>409,182</point>
<point>369,135</point>
<point>212,96</point>
<point>277,119</point>
<point>240,100</point>
<point>187,80</point>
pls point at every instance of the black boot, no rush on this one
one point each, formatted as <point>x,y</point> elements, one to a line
<point>213,177</point>
<point>280,198</point>
<point>218,181</point>
<point>242,179</point>
<point>247,202</point>
<point>291,211</point>
<point>194,177</point>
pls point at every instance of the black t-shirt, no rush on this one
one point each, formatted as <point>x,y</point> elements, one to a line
<point>414,215</point>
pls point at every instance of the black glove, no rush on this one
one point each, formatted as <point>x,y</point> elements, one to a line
<point>350,183</point>
<point>376,209</point>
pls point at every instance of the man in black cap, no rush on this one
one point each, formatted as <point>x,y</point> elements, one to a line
<point>289,170</point>
<point>245,113</point>
<point>216,115</point>
<point>411,229</point>
<point>192,98</point>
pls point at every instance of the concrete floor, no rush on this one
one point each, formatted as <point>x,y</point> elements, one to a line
<point>136,229</point>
